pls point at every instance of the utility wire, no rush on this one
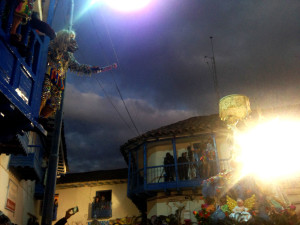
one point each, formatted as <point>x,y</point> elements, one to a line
<point>113,105</point>
<point>118,62</point>
<point>119,92</point>
<point>117,58</point>
<point>105,93</point>
<point>82,55</point>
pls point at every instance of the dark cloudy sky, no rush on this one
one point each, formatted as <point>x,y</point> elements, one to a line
<point>162,74</point>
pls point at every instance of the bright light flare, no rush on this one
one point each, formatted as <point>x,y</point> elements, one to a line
<point>127,5</point>
<point>271,150</point>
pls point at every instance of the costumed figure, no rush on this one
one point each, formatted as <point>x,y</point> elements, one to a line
<point>240,210</point>
<point>60,59</point>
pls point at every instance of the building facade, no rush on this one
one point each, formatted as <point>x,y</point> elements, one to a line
<point>100,196</point>
<point>174,188</point>
<point>25,143</point>
<point>196,148</point>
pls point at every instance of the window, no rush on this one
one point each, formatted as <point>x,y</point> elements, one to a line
<point>101,207</point>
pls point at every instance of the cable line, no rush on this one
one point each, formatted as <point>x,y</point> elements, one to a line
<point>106,60</point>
<point>113,105</point>
<point>118,62</point>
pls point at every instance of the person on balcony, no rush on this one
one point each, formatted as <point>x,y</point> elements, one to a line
<point>183,167</point>
<point>60,60</point>
<point>96,207</point>
<point>192,165</point>
<point>170,170</point>
<point>24,14</point>
<point>211,158</point>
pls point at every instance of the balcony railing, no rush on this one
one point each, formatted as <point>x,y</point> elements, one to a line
<point>190,174</point>
<point>21,76</point>
<point>27,167</point>
<point>101,210</point>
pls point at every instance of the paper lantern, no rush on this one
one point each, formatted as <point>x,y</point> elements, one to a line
<point>233,108</point>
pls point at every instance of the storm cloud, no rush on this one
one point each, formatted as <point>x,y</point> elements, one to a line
<point>162,74</point>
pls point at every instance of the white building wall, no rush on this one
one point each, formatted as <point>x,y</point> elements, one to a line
<point>83,196</point>
<point>25,202</point>
<point>155,157</point>
<point>168,206</point>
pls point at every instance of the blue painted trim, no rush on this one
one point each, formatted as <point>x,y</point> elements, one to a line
<point>20,69</point>
<point>20,104</point>
<point>32,164</point>
<point>137,188</point>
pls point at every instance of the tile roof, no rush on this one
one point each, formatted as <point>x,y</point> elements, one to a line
<point>203,125</point>
<point>99,175</point>
<point>192,126</point>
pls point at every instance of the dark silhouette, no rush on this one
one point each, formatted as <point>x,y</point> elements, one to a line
<point>183,167</point>
<point>170,172</point>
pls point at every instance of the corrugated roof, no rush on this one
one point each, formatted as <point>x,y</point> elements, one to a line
<point>99,175</point>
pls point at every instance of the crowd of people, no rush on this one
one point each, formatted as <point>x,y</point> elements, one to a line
<point>198,161</point>
<point>100,207</point>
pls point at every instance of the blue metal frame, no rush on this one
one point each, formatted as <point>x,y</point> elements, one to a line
<point>27,167</point>
<point>147,186</point>
<point>21,78</point>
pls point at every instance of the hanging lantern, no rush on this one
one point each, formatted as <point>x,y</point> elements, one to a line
<point>233,108</point>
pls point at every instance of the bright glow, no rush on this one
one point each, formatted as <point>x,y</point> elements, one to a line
<point>127,5</point>
<point>271,150</point>
<point>88,6</point>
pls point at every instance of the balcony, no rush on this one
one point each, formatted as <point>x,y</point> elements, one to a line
<point>18,145</point>
<point>21,76</point>
<point>27,167</point>
<point>149,173</point>
<point>186,175</point>
<point>101,210</point>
